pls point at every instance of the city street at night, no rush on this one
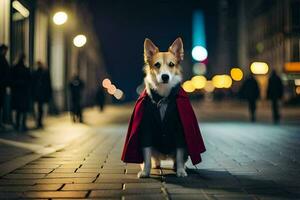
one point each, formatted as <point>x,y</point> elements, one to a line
<point>160,99</point>
<point>243,161</point>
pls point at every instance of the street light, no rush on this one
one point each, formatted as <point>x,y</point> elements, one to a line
<point>199,53</point>
<point>198,82</point>
<point>60,18</point>
<point>259,68</point>
<point>188,86</point>
<point>79,40</point>
<point>236,74</point>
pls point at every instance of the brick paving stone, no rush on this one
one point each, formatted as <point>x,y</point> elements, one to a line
<point>72,175</point>
<point>93,186</point>
<point>45,187</point>
<point>10,195</point>
<point>88,170</point>
<point>56,194</point>
<point>64,180</point>
<point>24,176</point>
<point>188,197</point>
<point>237,165</point>
<point>32,171</point>
<point>64,170</point>
<point>144,197</point>
<point>41,166</point>
<point>142,185</point>
<point>106,194</point>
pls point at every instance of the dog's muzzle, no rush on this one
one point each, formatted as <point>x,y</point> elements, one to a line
<point>165,78</point>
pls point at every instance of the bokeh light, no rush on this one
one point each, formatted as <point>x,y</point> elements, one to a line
<point>198,82</point>
<point>222,81</point>
<point>199,53</point>
<point>111,89</point>
<point>199,68</point>
<point>298,90</point>
<point>118,94</point>
<point>60,18</point>
<point>209,86</point>
<point>236,74</point>
<point>297,82</point>
<point>188,86</point>
<point>106,83</point>
<point>79,40</point>
<point>259,68</point>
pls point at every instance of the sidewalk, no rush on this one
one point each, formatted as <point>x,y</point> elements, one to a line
<point>243,161</point>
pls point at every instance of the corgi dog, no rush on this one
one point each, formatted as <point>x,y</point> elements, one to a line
<point>162,75</point>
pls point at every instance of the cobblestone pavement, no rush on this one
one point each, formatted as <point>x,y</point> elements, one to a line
<point>243,161</point>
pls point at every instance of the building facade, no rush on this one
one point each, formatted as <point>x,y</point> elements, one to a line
<point>270,33</point>
<point>27,26</point>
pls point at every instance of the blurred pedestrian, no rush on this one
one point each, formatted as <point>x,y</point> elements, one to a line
<point>100,97</point>
<point>250,91</point>
<point>275,93</point>
<point>21,84</point>
<point>42,91</point>
<point>4,79</point>
<point>76,86</point>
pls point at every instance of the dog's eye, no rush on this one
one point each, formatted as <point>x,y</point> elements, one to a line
<point>171,64</point>
<point>157,65</point>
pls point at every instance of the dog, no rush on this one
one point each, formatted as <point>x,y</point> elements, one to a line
<point>162,74</point>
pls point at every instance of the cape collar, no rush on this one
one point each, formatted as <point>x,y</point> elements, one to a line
<point>157,99</point>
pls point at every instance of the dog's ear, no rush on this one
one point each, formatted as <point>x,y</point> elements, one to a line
<point>149,50</point>
<point>177,49</point>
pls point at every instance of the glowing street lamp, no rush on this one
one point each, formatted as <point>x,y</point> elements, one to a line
<point>222,81</point>
<point>188,86</point>
<point>236,74</point>
<point>259,68</point>
<point>60,18</point>
<point>198,82</point>
<point>79,40</point>
<point>199,53</point>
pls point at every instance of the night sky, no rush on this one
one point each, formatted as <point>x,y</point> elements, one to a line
<point>122,26</point>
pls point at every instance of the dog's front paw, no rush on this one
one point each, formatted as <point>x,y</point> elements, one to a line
<point>143,174</point>
<point>181,173</point>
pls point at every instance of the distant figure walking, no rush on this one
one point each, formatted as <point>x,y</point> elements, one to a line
<point>4,79</point>
<point>21,84</point>
<point>42,91</point>
<point>250,91</point>
<point>275,93</point>
<point>100,97</point>
<point>76,86</point>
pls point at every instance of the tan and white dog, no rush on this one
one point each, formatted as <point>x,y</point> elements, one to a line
<point>163,72</point>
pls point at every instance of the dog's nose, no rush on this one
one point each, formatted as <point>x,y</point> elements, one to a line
<point>165,78</point>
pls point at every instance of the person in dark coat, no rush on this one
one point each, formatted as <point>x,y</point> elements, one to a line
<point>4,79</point>
<point>21,84</point>
<point>275,93</point>
<point>100,97</point>
<point>76,86</point>
<point>250,91</point>
<point>42,91</point>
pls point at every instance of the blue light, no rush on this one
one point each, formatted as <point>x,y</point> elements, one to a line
<point>198,29</point>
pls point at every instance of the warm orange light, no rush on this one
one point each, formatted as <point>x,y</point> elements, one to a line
<point>111,89</point>
<point>222,81</point>
<point>292,67</point>
<point>298,90</point>
<point>236,74</point>
<point>209,86</point>
<point>259,68</point>
<point>106,83</point>
<point>199,82</point>
<point>188,86</point>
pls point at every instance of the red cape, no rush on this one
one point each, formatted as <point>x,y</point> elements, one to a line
<point>195,145</point>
